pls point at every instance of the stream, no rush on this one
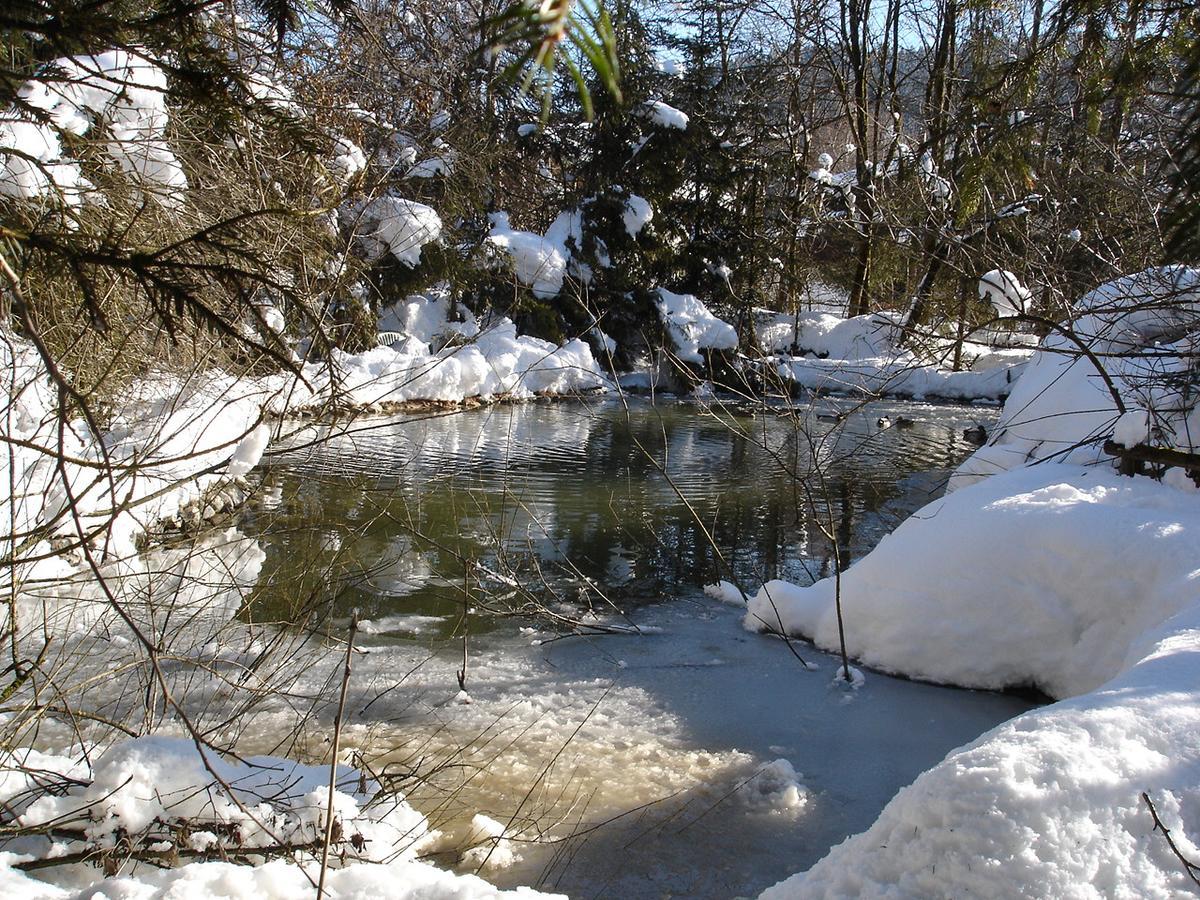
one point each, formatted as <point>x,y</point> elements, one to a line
<point>624,731</point>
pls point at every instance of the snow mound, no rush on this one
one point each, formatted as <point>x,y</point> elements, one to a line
<point>693,327</point>
<point>1078,564</point>
<point>1062,408</point>
<point>1049,804</point>
<point>348,159</point>
<point>827,335</point>
<point>726,593</point>
<point>428,317</point>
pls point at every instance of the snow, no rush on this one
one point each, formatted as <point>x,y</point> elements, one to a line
<point>1048,804</point>
<point>539,262</point>
<point>692,327</point>
<point>1063,409</point>
<point>604,342</point>
<point>669,65</point>
<point>1058,573</point>
<point>726,592</point>
<point>497,362</point>
<point>1043,576</point>
<point>125,90</point>
<point>664,116</point>
<point>348,159</point>
<point>151,790</point>
<point>1004,291</point>
<point>862,355</point>
<point>490,848</point>
<point>401,227</point>
<point>637,214</point>
<point>442,164</point>
<point>777,788</point>
<point>1132,428</point>
<point>427,317</point>
<point>170,444</point>
<point>151,785</point>
<point>248,451</point>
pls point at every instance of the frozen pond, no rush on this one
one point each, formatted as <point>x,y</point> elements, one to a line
<point>691,758</point>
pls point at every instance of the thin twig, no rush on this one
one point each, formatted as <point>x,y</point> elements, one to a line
<point>337,738</point>
<point>1189,867</point>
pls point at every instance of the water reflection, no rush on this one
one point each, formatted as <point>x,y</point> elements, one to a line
<point>584,509</point>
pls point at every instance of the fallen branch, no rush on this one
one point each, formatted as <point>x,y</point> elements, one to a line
<point>1130,457</point>
<point>243,856</point>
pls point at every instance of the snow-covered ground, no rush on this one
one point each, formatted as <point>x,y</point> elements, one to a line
<point>1058,574</point>
<point>824,351</point>
<point>179,803</point>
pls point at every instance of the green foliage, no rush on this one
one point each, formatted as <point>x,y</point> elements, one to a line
<point>540,32</point>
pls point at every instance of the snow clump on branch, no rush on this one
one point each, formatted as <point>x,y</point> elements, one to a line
<point>122,90</point>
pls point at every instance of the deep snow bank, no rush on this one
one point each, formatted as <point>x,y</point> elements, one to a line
<point>1063,407</point>
<point>1057,574</point>
<point>1044,576</point>
<point>170,441</point>
<point>1049,804</point>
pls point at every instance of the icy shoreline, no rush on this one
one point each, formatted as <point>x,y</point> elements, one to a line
<point>1043,567</point>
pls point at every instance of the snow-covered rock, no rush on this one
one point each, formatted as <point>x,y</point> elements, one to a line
<point>1004,291</point>
<point>401,227</point>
